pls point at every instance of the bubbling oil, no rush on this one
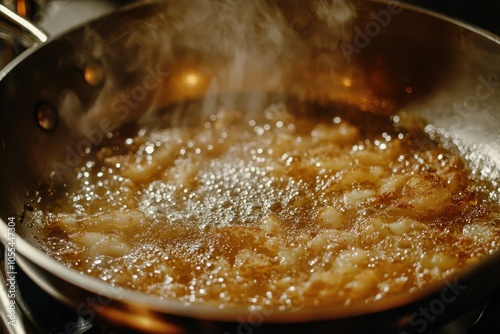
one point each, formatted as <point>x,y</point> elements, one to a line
<point>284,209</point>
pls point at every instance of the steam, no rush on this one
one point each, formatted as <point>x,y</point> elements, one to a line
<point>182,50</point>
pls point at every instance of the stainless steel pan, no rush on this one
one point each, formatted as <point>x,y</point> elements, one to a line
<point>53,100</point>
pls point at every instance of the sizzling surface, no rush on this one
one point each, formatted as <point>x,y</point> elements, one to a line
<point>284,211</point>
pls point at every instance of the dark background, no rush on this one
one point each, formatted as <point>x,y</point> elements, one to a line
<point>481,13</point>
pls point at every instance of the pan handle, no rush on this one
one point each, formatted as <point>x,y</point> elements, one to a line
<point>16,35</point>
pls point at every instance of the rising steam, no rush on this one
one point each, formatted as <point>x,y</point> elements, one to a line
<point>182,50</point>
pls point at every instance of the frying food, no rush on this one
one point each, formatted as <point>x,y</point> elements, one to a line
<point>277,210</point>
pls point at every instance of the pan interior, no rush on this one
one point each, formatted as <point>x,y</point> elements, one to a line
<point>290,201</point>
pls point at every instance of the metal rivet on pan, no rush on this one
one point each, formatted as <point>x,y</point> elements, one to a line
<point>93,74</point>
<point>46,117</point>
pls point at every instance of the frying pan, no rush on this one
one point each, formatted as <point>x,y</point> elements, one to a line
<point>54,98</point>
